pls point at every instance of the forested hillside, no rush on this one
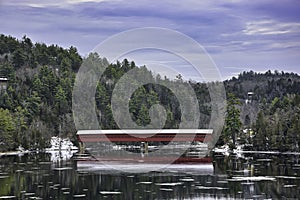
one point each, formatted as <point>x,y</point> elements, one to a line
<point>36,102</point>
<point>265,86</point>
<point>275,105</point>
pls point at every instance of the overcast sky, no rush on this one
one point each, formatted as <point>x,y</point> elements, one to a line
<point>239,35</point>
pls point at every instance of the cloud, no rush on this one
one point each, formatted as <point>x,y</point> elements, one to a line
<point>270,27</point>
<point>47,3</point>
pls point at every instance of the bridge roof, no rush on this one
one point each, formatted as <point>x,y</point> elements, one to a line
<point>147,131</point>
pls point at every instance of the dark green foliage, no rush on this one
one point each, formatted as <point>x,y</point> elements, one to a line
<point>264,85</point>
<point>7,130</point>
<point>38,97</point>
<point>8,44</point>
<point>277,96</point>
<point>233,123</point>
<point>39,90</point>
<point>18,58</point>
<point>277,127</point>
<point>141,100</point>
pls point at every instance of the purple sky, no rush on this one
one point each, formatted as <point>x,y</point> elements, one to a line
<point>239,35</point>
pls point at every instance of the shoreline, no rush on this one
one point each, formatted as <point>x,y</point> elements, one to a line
<point>48,150</point>
<point>239,151</point>
<point>14,153</point>
<point>57,144</point>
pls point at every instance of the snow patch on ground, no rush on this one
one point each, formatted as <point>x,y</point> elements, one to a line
<point>61,149</point>
<point>225,150</point>
<point>61,144</point>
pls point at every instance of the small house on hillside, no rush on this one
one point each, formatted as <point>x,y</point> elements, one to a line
<point>249,97</point>
<point>3,83</point>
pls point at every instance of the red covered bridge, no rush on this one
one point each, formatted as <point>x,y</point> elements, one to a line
<point>145,135</point>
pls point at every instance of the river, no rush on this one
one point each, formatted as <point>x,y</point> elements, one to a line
<point>251,175</point>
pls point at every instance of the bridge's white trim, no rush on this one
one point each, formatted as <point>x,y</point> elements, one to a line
<point>147,131</point>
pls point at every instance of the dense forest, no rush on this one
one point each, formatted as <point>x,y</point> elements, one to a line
<point>36,99</point>
<point>274,106</point>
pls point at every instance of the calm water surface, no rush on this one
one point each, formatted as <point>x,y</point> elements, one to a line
<point>256,176</point>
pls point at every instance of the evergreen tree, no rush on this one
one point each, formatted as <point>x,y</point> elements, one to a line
<point>7,130</point>
<point>232,121</point>
<point>260,131</point>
